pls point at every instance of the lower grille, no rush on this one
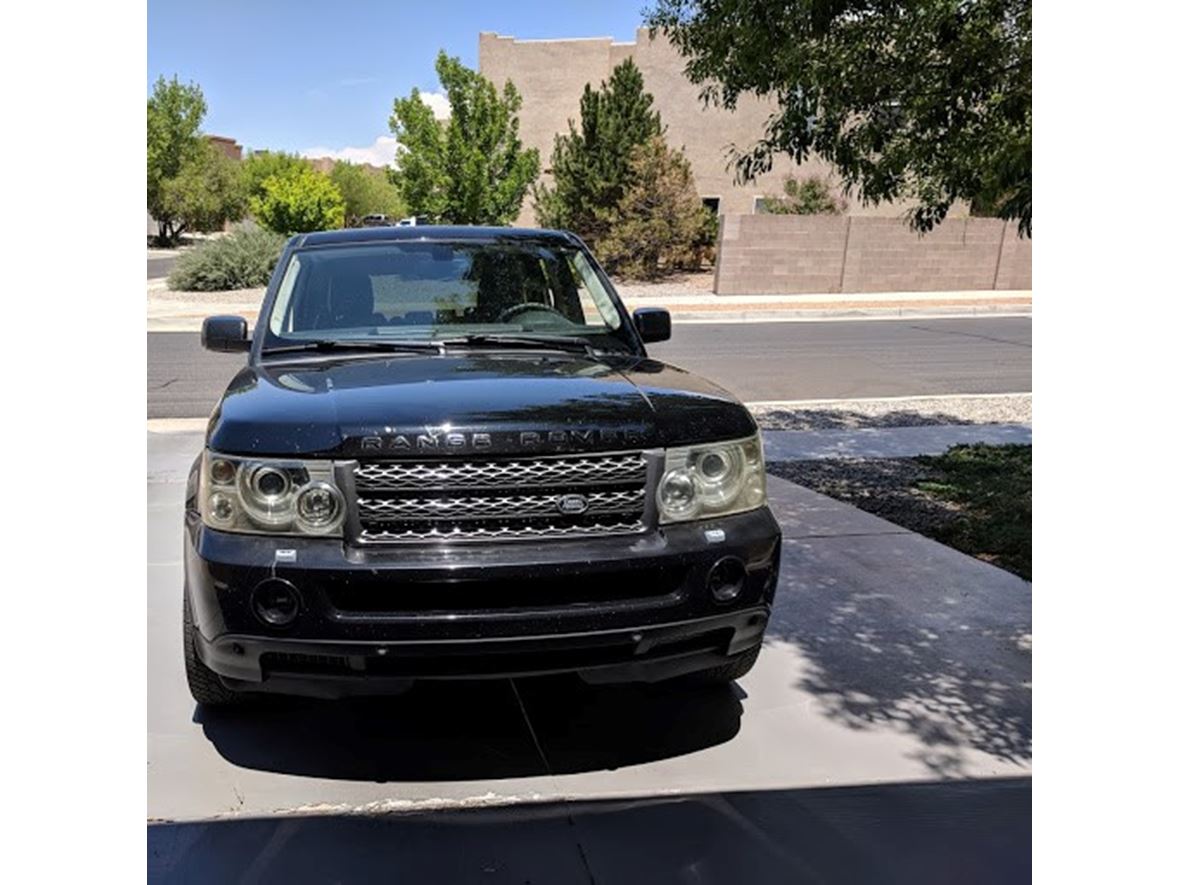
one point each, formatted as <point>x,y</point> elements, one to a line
<point>652,585</point>
<point>501,500</point>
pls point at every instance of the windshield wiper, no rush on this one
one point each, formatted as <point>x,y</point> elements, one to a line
<point>560,342</point>
<point>325,345</point>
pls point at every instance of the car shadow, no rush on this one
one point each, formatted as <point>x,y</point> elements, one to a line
<point>448,731</point>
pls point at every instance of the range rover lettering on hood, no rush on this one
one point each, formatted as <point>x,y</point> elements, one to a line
<point>433,440</point>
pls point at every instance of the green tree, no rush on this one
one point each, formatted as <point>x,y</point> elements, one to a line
<point>808,196</point>
<point>659,223</point>
<point>261,165</point>
<point>471,169</point>
<point>366,192</point>
<point>928,100</point>
<point>592,163</point>
<point>174,114</point>
<point>206,193</point>
<point>298,201</point>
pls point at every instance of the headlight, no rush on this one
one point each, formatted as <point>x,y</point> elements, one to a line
<point>263,495</point>
<point>712,480</point>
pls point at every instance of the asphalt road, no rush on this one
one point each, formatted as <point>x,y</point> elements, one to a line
<point>160,266</point>
<point>768,361</point>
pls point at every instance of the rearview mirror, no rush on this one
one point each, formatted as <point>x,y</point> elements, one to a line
<point>225,334</point>
<point>654,324</point>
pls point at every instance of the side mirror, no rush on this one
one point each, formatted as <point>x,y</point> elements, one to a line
<point>654,324</point>
<point>225,334</point>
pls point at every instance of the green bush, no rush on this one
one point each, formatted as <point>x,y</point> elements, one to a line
<point>660,224</point>
<point>243,259</point>
<point>298,201</point>
<point>808,196</point>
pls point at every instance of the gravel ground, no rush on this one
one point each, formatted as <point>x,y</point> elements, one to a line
<point>699,283</point>
<point>164,296</point>
<point>976,499</point>
<point>884,487</point>
<point>908,412</point>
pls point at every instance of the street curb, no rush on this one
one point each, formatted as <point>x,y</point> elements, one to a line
<point>861,313</point>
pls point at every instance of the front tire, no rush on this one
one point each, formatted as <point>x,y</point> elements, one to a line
<point>204,685</point>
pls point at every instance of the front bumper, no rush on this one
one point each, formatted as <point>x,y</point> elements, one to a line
<point>633,608</point>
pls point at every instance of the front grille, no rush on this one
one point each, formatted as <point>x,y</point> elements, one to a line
<point>584,470</point>
<point>501,500</point>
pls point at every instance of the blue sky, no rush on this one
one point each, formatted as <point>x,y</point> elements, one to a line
<point>302,75</point>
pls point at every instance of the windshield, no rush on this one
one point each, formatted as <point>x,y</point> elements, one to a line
<point>438,290</point>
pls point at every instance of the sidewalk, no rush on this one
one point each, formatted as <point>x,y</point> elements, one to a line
<point>183,311</point>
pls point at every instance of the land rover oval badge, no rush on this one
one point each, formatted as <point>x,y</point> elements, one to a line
<point>572,504</point>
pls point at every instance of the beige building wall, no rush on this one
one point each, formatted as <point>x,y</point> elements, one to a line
<point>550,75</point>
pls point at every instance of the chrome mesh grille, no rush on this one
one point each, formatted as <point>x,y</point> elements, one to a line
<point>502,533</point>
<point>497,506</point>
<point>510,499</point>
<point>575,471</point>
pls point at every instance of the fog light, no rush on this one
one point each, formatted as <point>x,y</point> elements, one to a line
<point>276,602</point>
<point>726,579</point>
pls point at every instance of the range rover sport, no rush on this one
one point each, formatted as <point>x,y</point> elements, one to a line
<point>449,455</point>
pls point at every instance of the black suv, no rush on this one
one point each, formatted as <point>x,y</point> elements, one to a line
<point>450,456</point>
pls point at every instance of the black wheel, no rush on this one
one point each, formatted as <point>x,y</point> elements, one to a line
<point>203,684</point>
<point>735,668</point>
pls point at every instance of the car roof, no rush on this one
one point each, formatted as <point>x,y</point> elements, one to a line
<point>426,232</point>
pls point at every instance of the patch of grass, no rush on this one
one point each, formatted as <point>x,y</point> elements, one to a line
<point>243,259</point>
<point>991,490</point>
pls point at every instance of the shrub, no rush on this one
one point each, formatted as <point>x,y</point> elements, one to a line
<point>298,201</point>
<point>811,196</point>
<point>660,224</point>
<point>243,259</point>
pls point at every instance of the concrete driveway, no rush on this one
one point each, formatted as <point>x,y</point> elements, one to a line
<point>891,661</point>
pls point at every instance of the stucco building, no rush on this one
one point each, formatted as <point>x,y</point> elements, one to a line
<point>550,75</point>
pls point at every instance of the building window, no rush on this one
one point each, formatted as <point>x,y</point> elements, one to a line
<point>713,204</point>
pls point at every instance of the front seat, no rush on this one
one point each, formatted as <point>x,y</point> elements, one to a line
<point>350,303</point>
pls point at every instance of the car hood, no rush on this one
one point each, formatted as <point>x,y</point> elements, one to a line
<point>465,403</point>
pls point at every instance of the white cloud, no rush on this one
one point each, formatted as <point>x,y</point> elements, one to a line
<point>438,103</point>
<point>382,152</point>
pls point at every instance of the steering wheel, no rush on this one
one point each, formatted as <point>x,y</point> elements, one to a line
<point>511,313</point>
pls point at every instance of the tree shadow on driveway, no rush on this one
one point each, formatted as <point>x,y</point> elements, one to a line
<point>900,632</point>
<point>451,731</point>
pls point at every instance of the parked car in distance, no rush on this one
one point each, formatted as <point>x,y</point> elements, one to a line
<point>376,221</point>
<point>450,456</point>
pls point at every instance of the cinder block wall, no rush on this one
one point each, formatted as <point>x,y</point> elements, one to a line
<point>794,254</point>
